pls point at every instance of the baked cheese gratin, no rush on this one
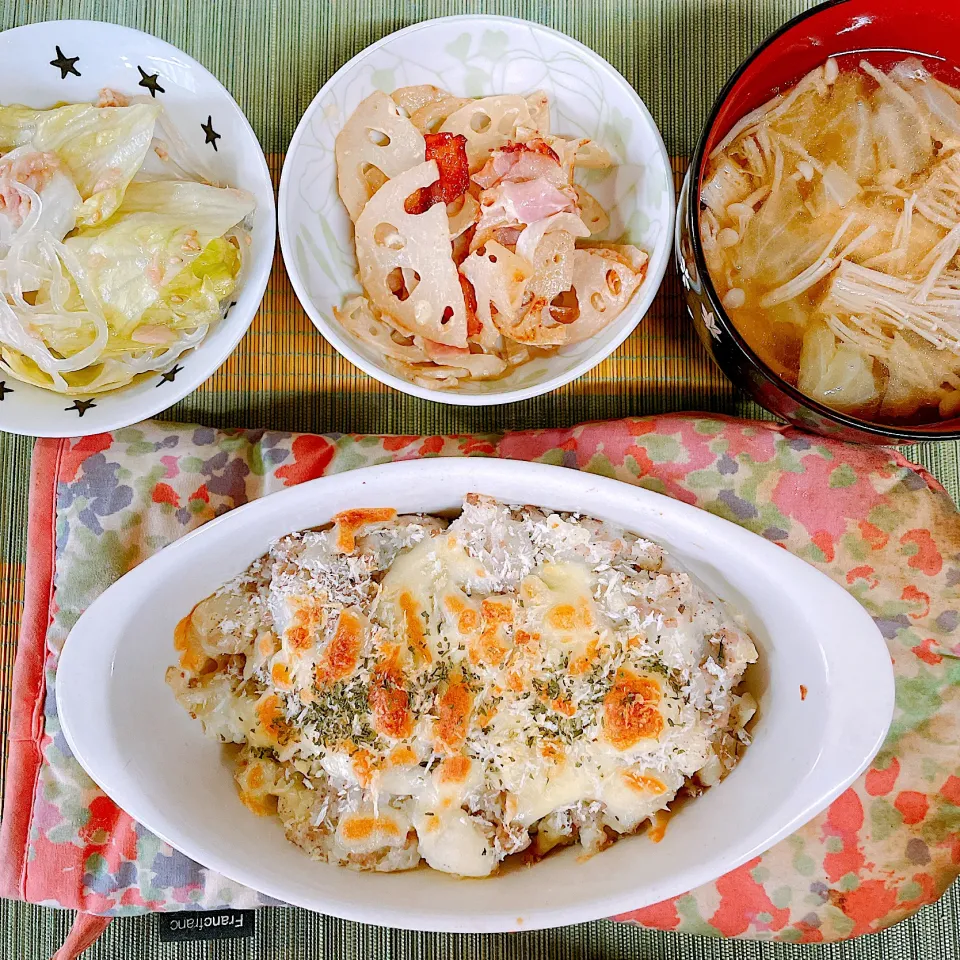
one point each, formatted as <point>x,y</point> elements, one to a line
<point>407,687</point>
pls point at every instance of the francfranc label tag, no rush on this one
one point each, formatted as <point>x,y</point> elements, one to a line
<point>206,925</point>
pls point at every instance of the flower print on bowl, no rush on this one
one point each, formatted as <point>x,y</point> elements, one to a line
<point>472,56</point>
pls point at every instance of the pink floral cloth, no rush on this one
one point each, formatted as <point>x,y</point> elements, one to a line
<point>878,525</point>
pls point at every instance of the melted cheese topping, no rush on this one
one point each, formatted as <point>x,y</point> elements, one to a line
<point>408,690</point>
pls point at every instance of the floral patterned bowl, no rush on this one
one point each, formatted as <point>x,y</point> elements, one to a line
<point>928,26</point>
<point>474,56</point>
<point>71,61</point>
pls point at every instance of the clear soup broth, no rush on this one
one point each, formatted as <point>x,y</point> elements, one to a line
<point>830,222</point>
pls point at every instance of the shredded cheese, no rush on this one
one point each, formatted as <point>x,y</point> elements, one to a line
<point>456,693</point>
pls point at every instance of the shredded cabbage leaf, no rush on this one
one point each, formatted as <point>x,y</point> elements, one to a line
<point>129,260</point>
<point>105,276</point>
<point>101,147</point>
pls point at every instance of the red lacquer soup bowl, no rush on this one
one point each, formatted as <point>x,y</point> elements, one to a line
<point>886,30</point>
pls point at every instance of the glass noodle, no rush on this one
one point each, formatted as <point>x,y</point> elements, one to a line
<point>118,250</point>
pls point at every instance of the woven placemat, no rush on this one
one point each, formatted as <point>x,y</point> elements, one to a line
<point>273,55</point>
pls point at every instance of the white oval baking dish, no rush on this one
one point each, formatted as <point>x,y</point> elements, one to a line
<point>140,746</point>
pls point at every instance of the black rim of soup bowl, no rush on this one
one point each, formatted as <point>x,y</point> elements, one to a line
<point>744,353</point>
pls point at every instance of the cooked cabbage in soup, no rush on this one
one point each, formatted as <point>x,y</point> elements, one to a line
<point>830,222</point>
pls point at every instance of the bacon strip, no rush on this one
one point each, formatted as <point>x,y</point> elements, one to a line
<point>474,326</point>
<point>521,161</point>
<point>450,152</point>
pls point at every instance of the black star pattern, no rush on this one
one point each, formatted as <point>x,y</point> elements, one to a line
<point>212,135</point>
<point>226,313</point>
<point>80,407</point>
<point>149,80</point>
<point>65,64</point>
<point>4,390</point>
<point>170,375</point>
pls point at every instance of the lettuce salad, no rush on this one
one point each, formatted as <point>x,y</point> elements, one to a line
<point>118,252</point>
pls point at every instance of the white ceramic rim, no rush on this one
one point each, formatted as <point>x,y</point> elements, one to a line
<point>254,282</point>
<point>856,725</point>
<point>655,272</point>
